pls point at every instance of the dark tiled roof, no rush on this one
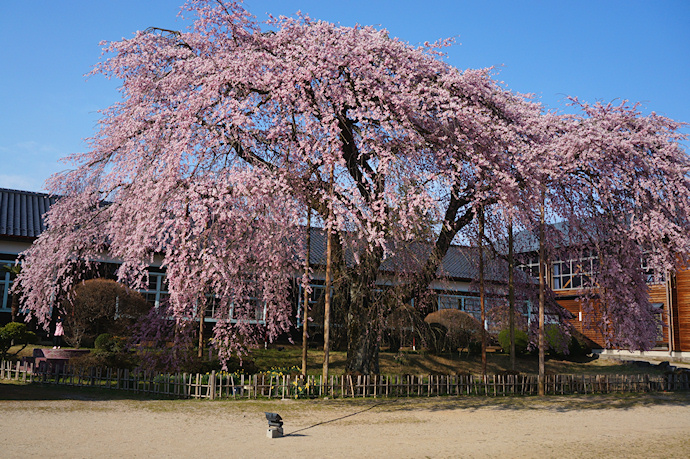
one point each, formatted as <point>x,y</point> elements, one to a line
<point>21,215</point>
<point>560,235</point>
<point>317,245</point>
<point>21,212</point>
<point>463,262</point>
<point>460,262</point>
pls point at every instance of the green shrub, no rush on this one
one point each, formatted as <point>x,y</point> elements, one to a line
<point>475,348</point>
<point>104,342</point>
<point>579,345</point>
<point>99,306</point>
<point>575,348</point>
<point>451,330</point>
<point>556,339</point>
<point>437,338</point>
<point>82,363</point>
<point>15,333</point>
<point>521,341</point>
<point>564,345</point>
<point>104,359</point>
<point>122,360</point>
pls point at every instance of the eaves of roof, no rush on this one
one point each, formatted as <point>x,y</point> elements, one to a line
<point>21,213</point>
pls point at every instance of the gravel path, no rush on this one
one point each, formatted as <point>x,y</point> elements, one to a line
<point>647,426</point>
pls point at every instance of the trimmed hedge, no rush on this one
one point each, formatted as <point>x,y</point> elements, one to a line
<point>521,341</point>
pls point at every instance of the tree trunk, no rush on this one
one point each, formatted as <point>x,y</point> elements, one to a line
<point>15,306</point>
<point>362,346</point>
<point>363,317</point>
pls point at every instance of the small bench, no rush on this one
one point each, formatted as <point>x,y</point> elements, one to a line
<point>54,359</point>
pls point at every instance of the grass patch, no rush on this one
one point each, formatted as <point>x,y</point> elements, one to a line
<point>28,351</point>
<point>13,390</point>
<point>419,363</point>
<point>422,363</point>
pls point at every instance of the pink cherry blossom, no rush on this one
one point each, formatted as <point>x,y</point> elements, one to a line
<point>227,130</point>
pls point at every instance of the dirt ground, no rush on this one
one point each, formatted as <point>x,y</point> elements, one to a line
<point>82,424</point>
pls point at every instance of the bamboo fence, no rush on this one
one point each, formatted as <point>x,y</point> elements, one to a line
<point>233,386</point>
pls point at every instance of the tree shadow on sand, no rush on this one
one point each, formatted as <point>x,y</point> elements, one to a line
<point>36,391</point>
<point>556,403</point>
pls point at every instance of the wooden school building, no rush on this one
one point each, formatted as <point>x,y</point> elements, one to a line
<point>21,223</point>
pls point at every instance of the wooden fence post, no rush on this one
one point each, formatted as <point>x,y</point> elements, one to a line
<point>376,386</point>
<point>212,385</point>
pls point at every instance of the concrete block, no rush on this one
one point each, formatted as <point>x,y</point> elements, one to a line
<point>274,433</point>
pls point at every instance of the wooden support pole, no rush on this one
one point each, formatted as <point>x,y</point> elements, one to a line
<point>542,294</point>
<point>305,303</point>
<point>482,295</point>
<point>327,303</point>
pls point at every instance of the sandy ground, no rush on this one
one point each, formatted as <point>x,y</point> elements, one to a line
<point>76,426</point>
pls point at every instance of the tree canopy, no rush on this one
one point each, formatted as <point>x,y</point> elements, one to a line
<point>227,132</point>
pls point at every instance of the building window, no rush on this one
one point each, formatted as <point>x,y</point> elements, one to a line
<point>6,281</point>
<point>531,266</point>
<point>156,293</point>
<point>5,298</point>
<point>212,305</point>
<point>256,312</point>
<point>257,308</point>
<point>469,304</point>
<point>575,273</point>
<point>651,276</point>
<point>316,297</point>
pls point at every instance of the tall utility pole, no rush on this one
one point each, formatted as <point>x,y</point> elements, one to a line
<point>305,306</point>
<point>542,293</point>
<point>327,302</point>
<point>482,299</point>
<point>511,292</point>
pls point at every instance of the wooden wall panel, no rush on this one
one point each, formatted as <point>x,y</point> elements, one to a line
<point>590,330</point>
<point>681,311</point>
<point>657,294</point>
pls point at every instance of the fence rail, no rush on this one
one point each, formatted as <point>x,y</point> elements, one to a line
<point>231,386</point>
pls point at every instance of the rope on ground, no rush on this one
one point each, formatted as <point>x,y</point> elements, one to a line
<point>342,417</point>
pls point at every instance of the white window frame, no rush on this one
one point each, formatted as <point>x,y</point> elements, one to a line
<point>459,302</point>
<point>312,299</point>
<point>579,271</point>
<point>6,285</point>
<point>159,292</point>
<point>650,275</point>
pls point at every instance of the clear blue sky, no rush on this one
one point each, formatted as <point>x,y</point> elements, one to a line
<point>596,50</point>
